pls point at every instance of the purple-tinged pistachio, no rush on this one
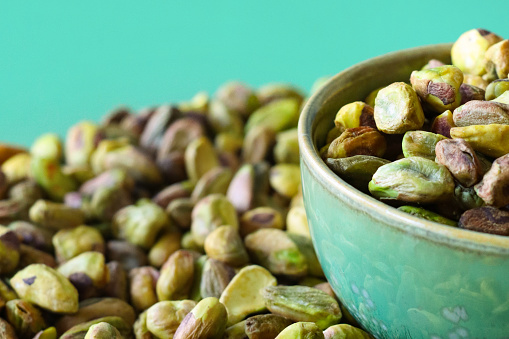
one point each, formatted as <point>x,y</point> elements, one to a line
<point>497,60</point>
<point>55,215</point>
<point>285,179</point>
<point>173,167</point>
<point>164,317</point>
<point>216,276</point>
<point>480,112</point>
<point>469,93</point>
<point>370,99</point>
<point>279,115</point>
<point>438,88</point>
<point>460,159</point>
<point>286,149</point>
<point>103,330</point>
<point>238,97</point>
<point>209,213</point>
<point>30,255</point>
<point>487,219</point>
<point>9,251</point>
<point>432,63</point>
<point>302,303</point>
<point>342,331</point>
<point>140,223</point>
<point>69,243</point>
<point>241,189</point>
<point>357,170</point>
<point>494,90</point>
<point>207,320</point>
<point>259,218</point>
<point>80,143</point>
<point>142,281</point>
<point>157,124</point>
<point>49,175</point>
<point>47,146</point>
<point>215,181</point>
<point>223,119</point>
<point>178,190</point>
<point>177,274</point>
<point>494,187</point>
<point>276,91</point>
<point>200,157</point>
<point>296,221</point>
<point>180,211</point>
<point>443,123</point>
<point>115,177</point>
<point>165,246</point>
<point>86,271</point>
<point>355,114</point>
<point>490,139</point>
<point>32,235</point>
<point>17,168</point>
<point>129,255</point>
<point>224,244</point>
<point>116,286</point>
<point>265,326</point>
<point>140,327</point>
<point>420,144</point>
<point>25,317</point>
<point>469,50</point>
<point>179,135</point>
<point>46,287</point>
<point>397,109</point>
<point>428,215</point>
<point>80,331</point>
<point>258,144</point>
<point>274,250</point>
<point>413,179</point>
<point>242,296</point>
<point>199,103</point>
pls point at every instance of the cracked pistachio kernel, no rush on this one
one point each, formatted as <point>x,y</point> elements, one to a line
<point>493,188</point>
<point>224,244</point>
<point>490,140</point>
<point>87,267</point>
<point>209,213</point>
<point>179,135</point>
<point>243,296</point>
<point>49,175</point>
<point>494,90</point>
<point>362,140</point>
<point>46,288</point>
<point>420,144</point>
<point>258,218</point>
<point>177,274</point>
<point>200,157</point>
<point>6,330</point>
<point>443,123</point>
<point>285,179</point>
<point>265,326</point>
<point>468,52</point>
<point>356,170</point>
<point>215,181</point>
<point>353,115</point>
<point>461,160</point>
<point>103,330</point>
<point>17,168</point>
<point>180,210</point>
<point>216,276</point>
<point>55,215</point>
<point>303,303</point>
<point>345,331</point>
<point>164,317</point>
<point>413,179</point>
<point>497,59</point>
<point>166,245</point>
<point>80,330</point>
<point>301,330</point>
<point>207,320</point>
<point>142,281</point>
<point>279,115</point>
<point>68,243</point>
<point>467,198</point>
<point>25,317</point>
<point>274,249</point>
<point>428,215</point>
<point>502,98</point>
<point>258,144</point>
<point>469,93</point>
<point>480,112</point>
<point>438,87</point>
<point>486,219</point>
<point>397,109</point>
<point>140,327</point>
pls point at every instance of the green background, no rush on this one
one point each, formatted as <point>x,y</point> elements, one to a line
<point>64,61</point>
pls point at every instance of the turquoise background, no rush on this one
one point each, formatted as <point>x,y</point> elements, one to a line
<point>64,61</point>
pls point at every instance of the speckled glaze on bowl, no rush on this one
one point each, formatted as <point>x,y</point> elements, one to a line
<point>399,276</point>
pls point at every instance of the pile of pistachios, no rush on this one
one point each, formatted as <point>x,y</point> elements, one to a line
<point>438,146</point>
<point>178,221</point>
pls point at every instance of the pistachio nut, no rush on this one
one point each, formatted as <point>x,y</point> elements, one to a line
<point>222,119</point>
<point>466,197</point>
<point>301,330</point>
<point>438,88</point>
<point>6,329</point>
<point>275,91</point>
<point>9,251</point>
<point>200,157</point>
<point>486,219</point>
<point>48,333</point>
<point>420,144</point>
<point>296,221</point>
<point>493,187</point>
<point>460,159</point>
<point>236,331</point>
<point>478,112</point>
<point>6,294</point>
<point>116,286</point>
<point>258,218</point>
<point>228,142</point>
<point>370,99</point>
<point>32,235</point>
<point>206,320</point>
<point>443,124</point>
<point>302,303</point>
<point>242,295</point>
<point>199,103</point>
<point>80,331</point>
<point>140,327</point>
<point>55,215</point>
<point>497,59</point>
<point>164,317</point>
<point>177,273</point>
<point>495,89</point>
<point>274,250</point>
<point>475,80</point>
<point>362,140</point>
<point>173,167</point>
<point>357,170</point>
<point>158,122</point>
<point>178,190</point>
<point>241,189</point>
<point>13,209</point>
<point>468,52</point>
<point>327,288</point>
<point>49,175</point>
<point>166,245</point>
<point>180,211</point>
<point>238,97</point>
<point>413,179</point>
<point>115,177</point>
<point>25,317</point>
<point>29,255</point>
<point>306,248</point>
<point>103,330</point>
<point>108,201</point>
<point>129,255</point>
<point>179,135</point>
<point>265,326</point>
<point>47,146</point>
<point>209,213</point>
<point>46,288</point>
<point>28,192</point>
<point>432,63</point>
<point>469,93</point>
<point>285,179</point>
<point>345,331</point>
<point>188,243</point>
<point>286,149</point>
<point>215,181</point>
<point>354,115</point>
<point>69,243</point>
<point>216,275</point>
<point>17,168</point>
<point>80,143</point>
<point>224,244</point>
<point>279,115</point>
<point>428,215</point>
<point>7,151</point>
<point>142,281</point>
<point>486,139</point>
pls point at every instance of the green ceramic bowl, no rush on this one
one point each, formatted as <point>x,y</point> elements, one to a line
<point>398,275</point>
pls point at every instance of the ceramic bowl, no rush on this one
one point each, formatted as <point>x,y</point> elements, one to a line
<point>398,275</point>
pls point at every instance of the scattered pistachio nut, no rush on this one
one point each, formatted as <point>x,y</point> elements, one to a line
<point>301,330</point>
<point>460,159</point>
<point>206,320</point>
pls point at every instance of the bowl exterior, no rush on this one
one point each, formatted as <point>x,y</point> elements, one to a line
<point>398,276</point>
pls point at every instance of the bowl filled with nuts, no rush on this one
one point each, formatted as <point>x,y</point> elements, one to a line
<point>405,178</point>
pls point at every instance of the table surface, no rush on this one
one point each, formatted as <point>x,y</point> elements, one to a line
<point>61,62</point>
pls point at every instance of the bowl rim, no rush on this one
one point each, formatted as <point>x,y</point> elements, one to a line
<point>392,217</point>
